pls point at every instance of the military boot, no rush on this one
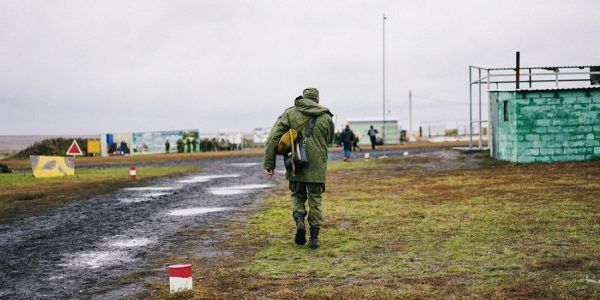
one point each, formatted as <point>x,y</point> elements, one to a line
<point>314,237</point>
<point>300,228</point>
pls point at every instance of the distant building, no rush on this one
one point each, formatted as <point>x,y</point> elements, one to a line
<point>362,126</point>
<point>260,135</point>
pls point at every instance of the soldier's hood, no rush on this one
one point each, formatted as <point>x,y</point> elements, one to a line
<point>311,108</point>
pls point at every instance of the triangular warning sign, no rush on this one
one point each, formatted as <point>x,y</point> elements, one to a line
<point>74,149</point>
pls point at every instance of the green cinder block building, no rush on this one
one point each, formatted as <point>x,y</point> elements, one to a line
<point>545,125</point>
<point>361,129</point>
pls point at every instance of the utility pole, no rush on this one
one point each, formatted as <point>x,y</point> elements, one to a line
<point>410,110</point>
<point>383,129</point>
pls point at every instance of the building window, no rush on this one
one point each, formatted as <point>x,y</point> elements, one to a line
<point>505,109</point>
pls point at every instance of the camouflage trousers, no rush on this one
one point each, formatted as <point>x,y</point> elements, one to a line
<point>311,191</point>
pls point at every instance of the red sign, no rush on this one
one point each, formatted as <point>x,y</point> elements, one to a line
<point>74,149</point>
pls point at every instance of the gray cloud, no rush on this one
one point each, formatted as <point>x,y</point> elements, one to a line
<point>97,66</point>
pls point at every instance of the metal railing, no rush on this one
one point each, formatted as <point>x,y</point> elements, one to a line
<point>501,76</point>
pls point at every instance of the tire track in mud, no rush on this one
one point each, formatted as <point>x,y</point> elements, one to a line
<point>77,249</point>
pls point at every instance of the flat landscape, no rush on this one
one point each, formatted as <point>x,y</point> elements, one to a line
<point>435,223</point>
<point>440,224</point>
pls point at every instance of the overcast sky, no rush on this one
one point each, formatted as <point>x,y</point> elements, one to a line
<point>78,67</point>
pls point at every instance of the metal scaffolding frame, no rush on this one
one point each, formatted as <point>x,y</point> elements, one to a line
<point>503,76</point>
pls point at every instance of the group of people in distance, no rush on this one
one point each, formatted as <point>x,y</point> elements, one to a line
<point>349,141</point>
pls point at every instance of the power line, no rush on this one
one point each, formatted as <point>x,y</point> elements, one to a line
<point>439,100</point>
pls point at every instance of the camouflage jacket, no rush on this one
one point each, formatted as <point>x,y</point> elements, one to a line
<point>316,145</point>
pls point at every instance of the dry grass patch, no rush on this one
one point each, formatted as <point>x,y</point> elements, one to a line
<point>394,230</point>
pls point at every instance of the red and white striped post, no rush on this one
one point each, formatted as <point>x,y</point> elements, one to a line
<point>180,277</point>
<point>132,173</point>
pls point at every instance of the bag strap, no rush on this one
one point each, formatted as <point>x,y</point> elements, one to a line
<point>301,126</point>
<point>311,125</point>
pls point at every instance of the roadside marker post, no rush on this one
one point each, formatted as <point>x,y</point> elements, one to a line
<point>180,278</point>
<point>367,155</point>
<point>132,173</point>
<point>74,149</point>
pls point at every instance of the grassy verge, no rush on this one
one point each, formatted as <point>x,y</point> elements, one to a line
<point>147,158</point>
<point>174,157</point>
<point>21,193</point>
<point>394,230</point>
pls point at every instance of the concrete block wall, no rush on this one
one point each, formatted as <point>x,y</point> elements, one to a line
<point>549,126</point>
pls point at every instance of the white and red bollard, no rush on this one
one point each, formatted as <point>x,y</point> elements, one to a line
<point>180,277</point>
<point>132,173</point>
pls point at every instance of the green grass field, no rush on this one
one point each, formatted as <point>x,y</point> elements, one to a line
<point>21,193</point>
<point>393,229</point>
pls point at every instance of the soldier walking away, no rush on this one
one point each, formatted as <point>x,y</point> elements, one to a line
<point>347,138</point>
<point>189,145</point>
<point>373,135</point>
<point>306,183</point>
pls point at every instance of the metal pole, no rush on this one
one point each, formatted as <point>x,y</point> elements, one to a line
<point>470,110</point>
<point>489,106</point>
<point>518,69</point>
<point>410,110</point>
<point>383,93</point>
<point>480,137</point>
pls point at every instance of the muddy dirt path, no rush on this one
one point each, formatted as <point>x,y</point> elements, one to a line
<point>75,249</point>
<point>82,248</point>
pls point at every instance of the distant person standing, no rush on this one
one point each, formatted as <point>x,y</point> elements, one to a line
<point>167,146</point>
<point>194,145</point>
<point>347,138</point>
<point>355,143</point>
<point>373,135</point>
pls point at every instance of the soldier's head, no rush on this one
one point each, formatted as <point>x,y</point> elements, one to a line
<point>311,93</point>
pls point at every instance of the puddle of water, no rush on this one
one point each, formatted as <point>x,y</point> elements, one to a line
<point>226,192</point>
<point>154,195</point>
<point>130,243</point>
<point>143,197</point>
<point>195,211</point>
<point>206,178</point>
<point>134,200</point>
<point>237,189</point>
<point>244,165</point>
<point>248,186</point>
<point>150,188</point>
<point>55,277</point>
<point>97,259</point>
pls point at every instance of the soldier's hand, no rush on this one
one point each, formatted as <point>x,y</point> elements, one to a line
<point>270,173</point>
